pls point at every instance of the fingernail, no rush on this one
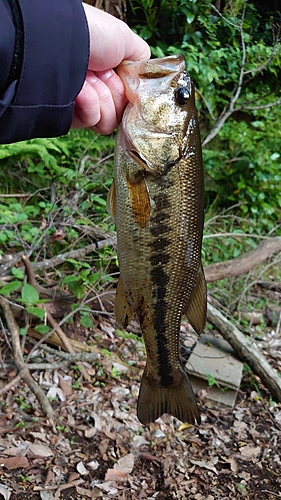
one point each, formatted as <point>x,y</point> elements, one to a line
<point>105,75</point>
<point>91,78</point>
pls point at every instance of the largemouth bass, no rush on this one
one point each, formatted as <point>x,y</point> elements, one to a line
<point>157,203</point>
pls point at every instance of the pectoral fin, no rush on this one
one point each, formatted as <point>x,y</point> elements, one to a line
<point>197,306</point>
<point>124,312</point>
<point>111,202</point>
<point>139,199</point>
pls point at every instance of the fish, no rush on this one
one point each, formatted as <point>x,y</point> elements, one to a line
<point>157,203</point>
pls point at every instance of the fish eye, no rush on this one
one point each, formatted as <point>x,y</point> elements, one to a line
<point>182,95</point>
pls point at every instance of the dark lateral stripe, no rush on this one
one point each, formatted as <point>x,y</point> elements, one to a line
<point>159,256</point>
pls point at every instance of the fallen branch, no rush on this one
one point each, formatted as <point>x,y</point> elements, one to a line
<point>55,340</point>
<point>77,356</point>
<point>246,351</point>
<point>67,358</point>
<point>244,263</point>
<point>20,364</point>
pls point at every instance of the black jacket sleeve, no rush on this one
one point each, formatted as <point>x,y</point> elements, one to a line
<point>44,50</point>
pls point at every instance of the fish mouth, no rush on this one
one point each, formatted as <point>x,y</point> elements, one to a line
<point>133,72</point>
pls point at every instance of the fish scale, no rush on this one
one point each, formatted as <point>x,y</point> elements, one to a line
<point>157,203</point>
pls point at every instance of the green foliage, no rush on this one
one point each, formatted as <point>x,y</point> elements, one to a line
<point>56,180</point>
<point>47,160</point>
<point>234,58</point>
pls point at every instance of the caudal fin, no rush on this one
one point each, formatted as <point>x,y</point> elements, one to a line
<point>179,401</point>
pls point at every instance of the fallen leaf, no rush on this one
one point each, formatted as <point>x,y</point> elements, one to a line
<point>184,426</point>
<point>107,488</point>
<point>234,467</point>
<point>89,433</point>
<point>39,435</point>
<point>206,465</point>
<point>95,493</point>
<point>119,367</point>
<point>250,451</point>
<point>46,495</point>
<point>13,451</point>
<point>55,392</point>
<point>14,462</point>
<point>73,476</point>
<point>94,465</point>
<point>49,476</point>
<point>115,475</point>
<point>5,491</point>
<point>40,450</point>
<point>125,464</point>
<point>82,469</point>
<point>149,456</point>
<point>65,386</point>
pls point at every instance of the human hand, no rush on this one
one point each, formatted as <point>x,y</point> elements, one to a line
<point>101,101</point>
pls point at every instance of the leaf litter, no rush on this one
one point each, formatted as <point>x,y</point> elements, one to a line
<point>99,449</point>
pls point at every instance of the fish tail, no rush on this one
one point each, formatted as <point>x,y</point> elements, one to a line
<point>177,399</point>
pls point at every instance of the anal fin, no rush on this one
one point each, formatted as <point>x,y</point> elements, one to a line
<point>197,306</point>
<point>124,312</point>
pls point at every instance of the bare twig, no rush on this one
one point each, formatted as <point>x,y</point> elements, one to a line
<point>261,106</point>
<point>56,365</point>
<point>15,195</point>
<point>235,235</point>
<point>71,357</point>
<point>19,361</point>
<point>11,384</point>
<point>231,107</point>
<point>277,331</point>
<point>68,346</point>
<point>61,258</point>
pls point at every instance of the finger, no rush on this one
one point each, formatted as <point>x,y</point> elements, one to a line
<point>108,117</point>
<point>116,87</point>
<point>87,108</point>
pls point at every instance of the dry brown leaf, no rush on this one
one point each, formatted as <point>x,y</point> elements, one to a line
<point>210,465</point>
<point>14,462</point>
<point>149,456</point>
<point>90,432</point>
<point>20,449</point>
<point>125,464</point>
<point>73,476</point>
<point>40,450</point>
<point>115,475</point>
<point>250,451</point>
<point>95,493</point>
<point>49,476</point>
<point>234,467</point>
<point>65,386</point>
